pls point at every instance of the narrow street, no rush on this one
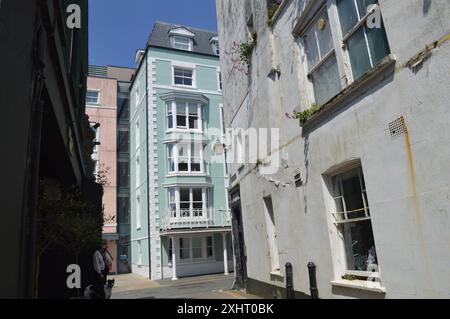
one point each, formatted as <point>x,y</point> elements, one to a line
<point>203,287</point>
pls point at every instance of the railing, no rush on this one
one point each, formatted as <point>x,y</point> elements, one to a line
<point>196,218</point>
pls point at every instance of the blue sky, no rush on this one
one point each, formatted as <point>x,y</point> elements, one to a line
<point>117,28</point>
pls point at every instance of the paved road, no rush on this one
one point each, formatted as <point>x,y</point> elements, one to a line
<point>205,287</point>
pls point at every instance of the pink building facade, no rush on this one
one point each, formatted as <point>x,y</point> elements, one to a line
<point>101,107</point>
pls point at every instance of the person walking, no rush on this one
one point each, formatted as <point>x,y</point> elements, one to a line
<point>102,264</point>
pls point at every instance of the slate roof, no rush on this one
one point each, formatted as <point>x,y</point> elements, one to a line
<point>160,38</point>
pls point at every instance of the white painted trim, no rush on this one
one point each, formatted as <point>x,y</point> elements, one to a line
<point>195,231</point>
<point>99,98</point>
<point>188,67</point>
<point>97,106</point>
<point>360,284</point>
<point>179,62</point>
<point>187,89</point>
<point>181,31</point>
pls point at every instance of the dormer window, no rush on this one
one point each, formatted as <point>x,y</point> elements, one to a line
<point>215,45</point>
<point>182,43</point>
<point>182,39</point>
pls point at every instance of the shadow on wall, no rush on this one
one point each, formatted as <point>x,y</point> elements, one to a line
<point>426,7</point>
<point>357,294</point>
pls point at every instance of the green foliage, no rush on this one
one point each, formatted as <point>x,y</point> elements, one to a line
<point>349,277</point>
<point>306,114</point>
<point>246,50</point>
<point>271,10</point>
<point>69,221</point>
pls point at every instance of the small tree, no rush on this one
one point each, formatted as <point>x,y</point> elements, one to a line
<point>65,221</point>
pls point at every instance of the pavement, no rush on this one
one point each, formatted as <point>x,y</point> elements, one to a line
<point>133,286</point>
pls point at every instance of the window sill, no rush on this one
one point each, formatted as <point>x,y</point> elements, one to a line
<point>181,131</point>
<point>196,174</point>
<point>336,102</point>
<point>185,86</point>
<point>360,285</point>
<point>276,274</point>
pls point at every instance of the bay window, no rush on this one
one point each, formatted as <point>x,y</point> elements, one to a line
<point>184,116</point>
<point>193,248</point>
<point>197,247</point>
<point>188,202</point>
<point>172,203</point>
<point>185,158</point>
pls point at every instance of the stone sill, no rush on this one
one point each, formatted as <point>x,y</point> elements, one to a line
<point>333,105</point>
<point>359,284</point>
<point>277,274</point>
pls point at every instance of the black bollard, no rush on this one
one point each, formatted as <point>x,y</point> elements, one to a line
<point>289,282</point>
<point>313,281</point>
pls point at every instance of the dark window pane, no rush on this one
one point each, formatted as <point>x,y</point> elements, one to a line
<point>181,121</point>
<point>124,141</point>
<point>197,194</point>
<point>184,195</point>
<point>347,15</point>
<point>326,81</point>
<point>178,80</point>
<point>378,44</point>
<point>359,55</point>
<point>123,171</point>
<point>312,51</point>
<point>123,209</point>
<point>324,36</point>
<point>360,246</point>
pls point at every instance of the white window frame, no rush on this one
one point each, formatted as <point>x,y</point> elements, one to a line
<point>172,105</point>
<point>219,81</point>
<point>138,213</point>
<point>138,171</point>
<point>216,47</point>
<point>337,224</point>
<point>176,156</point>
<point>96,152</point>
<point>98,102</point>
<point>339,47</point>
<point>138,134</point>
<point>190,247</point>
<point>185,68</point>
<point>190,214</point>
<point>182,47</point>
<point>342,217</point>
<point>139,248</point>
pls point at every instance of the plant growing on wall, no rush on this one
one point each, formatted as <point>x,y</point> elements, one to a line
<point>305,115</point>
<point>241,53</point>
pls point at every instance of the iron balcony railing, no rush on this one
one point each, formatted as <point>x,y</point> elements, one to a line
<point>196,218</point>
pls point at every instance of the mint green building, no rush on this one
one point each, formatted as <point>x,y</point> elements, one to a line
<point>180,218</point>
